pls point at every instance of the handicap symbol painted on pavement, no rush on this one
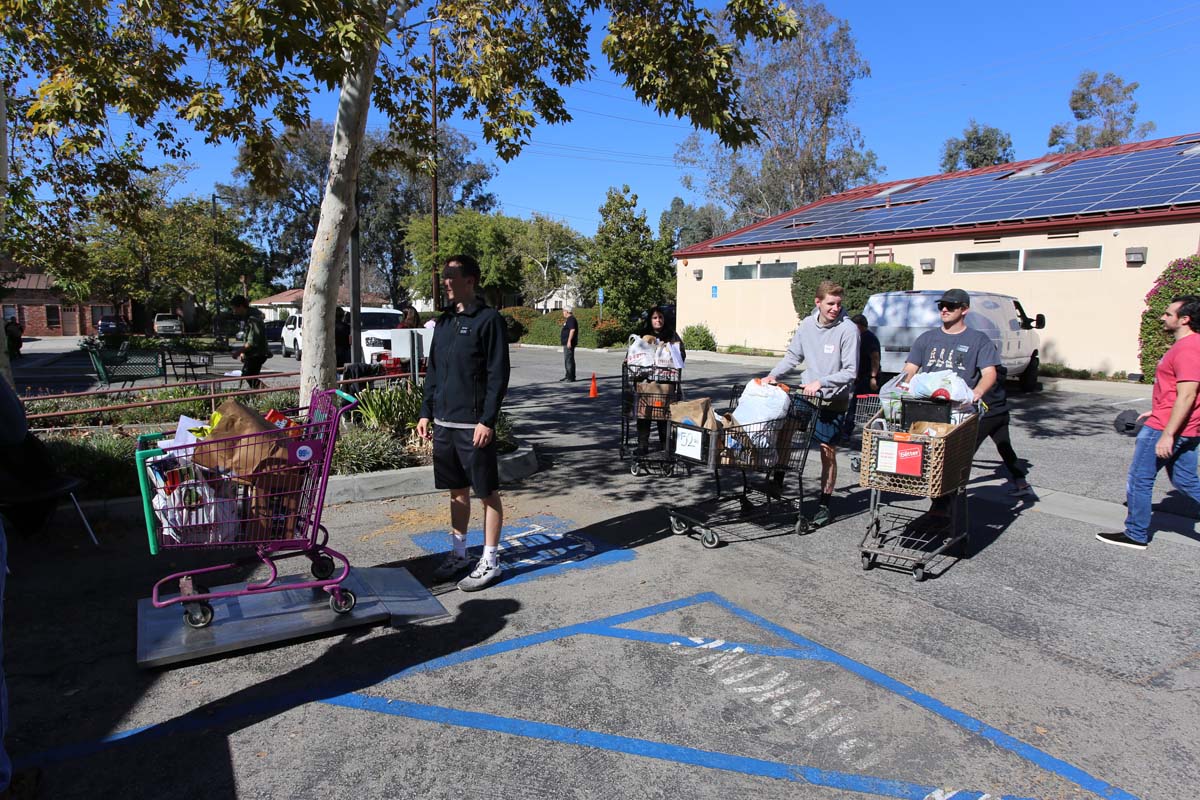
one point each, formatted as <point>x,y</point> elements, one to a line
<point>536,547</point>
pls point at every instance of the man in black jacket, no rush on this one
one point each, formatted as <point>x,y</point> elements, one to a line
<point>465,382</point>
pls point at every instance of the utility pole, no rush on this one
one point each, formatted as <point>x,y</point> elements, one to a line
<point>434,267</point>
<point>216,271</point>
<point>356,354</point>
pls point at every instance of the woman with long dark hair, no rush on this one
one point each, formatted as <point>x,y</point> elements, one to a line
<point>661,326</point>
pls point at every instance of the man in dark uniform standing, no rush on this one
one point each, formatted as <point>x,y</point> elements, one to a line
<point>465,382</point>
<point>255,350</point>
<point>569,334</point>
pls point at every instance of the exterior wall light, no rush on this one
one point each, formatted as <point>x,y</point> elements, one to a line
<point>926,266</point>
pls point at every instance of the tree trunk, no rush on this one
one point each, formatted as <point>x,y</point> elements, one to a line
<point>5,366</point>
<point>317,368</point>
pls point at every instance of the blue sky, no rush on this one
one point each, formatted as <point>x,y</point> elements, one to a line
<point>934,66</point>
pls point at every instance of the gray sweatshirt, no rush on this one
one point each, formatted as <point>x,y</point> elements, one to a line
<point>830,355</point>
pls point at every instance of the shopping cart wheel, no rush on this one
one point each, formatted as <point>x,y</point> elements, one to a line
<point>919,573</point>
<point>868,561</point>
<point>678,526</point>
<point>322,567</point>
<point>802,526</point>
<point>709,538</point>
<point>669,471</point>
<point>197,615</point>
<point>855,463</point>
<point>635,469</point>
<point>345,604</point>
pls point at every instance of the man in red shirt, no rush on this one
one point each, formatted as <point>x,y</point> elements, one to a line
<point>1172,430</point>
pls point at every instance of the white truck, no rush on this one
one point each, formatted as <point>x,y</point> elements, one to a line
<point>898,318</point>
<point>377,325</point>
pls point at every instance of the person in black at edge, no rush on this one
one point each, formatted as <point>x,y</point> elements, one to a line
<point>465,383</point>
<point>867,380</point>
<point>341,336</point>
<point>569,336</point>
<point>661,327</point>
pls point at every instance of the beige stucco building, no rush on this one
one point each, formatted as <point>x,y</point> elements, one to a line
<point>1120,215</point>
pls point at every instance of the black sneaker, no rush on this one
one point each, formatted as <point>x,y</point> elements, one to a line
<point>1121,539</point>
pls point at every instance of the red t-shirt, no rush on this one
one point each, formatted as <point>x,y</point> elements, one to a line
<point>1181,363</point>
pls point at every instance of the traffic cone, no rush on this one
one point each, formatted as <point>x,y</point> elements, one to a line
<point>593,392</point>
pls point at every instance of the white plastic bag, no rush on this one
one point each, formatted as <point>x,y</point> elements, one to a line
<point>640,353</point>
<point>196,510</point>
<point>924,384</point>
<point>663,357</point>
<point>890,396</point>
<point>676,355</point>
<point>761,402</point>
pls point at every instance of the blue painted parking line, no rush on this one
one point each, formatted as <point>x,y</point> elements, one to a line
<point>536,547</point>
<point>610,627</point>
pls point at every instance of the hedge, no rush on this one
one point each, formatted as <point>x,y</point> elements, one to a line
<point>1181,276</point>
<point>545,329</point>
<point>859,280</point>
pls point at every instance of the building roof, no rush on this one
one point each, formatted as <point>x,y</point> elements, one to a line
<point>294,297</point>
<point>1144,181</point>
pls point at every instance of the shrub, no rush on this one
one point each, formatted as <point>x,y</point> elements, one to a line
<point>367,450</point>
<point>1181,276</point>
<point>394,409</point>
<point>545,329</point>
<point>699,337</point>
<point>104,459</point>
<point>860,282</point>
<point>517,320</point>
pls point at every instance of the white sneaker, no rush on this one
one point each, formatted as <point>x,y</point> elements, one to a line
<point>451,565</point>
<point>482,576</point>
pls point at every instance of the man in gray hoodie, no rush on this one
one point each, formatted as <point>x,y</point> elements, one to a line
<point>827,343</point>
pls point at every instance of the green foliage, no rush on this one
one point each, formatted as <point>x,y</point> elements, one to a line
<point>799,92</point>
<point>361,450</point>
<point>490,238</point>
<point>634,269</point>
<point>592,333</point>
<point>1106,114</point>
<point>980,146</point>
<point>1181,276</point>
<point>699,337</point>
<point>683,225</point>
<point>517,320</point>
<point>105,460</point>
<point>393,408</point>
<point>189,404</point>
<point>859,281</point>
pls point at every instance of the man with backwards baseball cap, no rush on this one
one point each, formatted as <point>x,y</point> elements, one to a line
<point>972,355</point>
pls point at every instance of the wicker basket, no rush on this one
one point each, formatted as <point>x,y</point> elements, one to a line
<point>945,459</point>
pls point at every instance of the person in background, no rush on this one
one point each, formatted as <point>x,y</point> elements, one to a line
<point>409,318</point>
<point>1172,430</point>
<point>341,336</point>
<point>465,382</point>
<point>13,331</point>
<point>971,355</point>
<point>867,381</point>
<point>662,327</point>
<point>569,336</point>
<point>255,350</point>
<point>826,342</point>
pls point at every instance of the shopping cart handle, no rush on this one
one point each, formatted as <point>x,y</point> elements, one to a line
<point>349,398</point>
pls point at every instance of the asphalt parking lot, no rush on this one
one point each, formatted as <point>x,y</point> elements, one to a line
<point>619,660</point>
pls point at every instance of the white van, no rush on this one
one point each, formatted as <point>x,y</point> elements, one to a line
<point>898,318</point>
<point>376,325</point>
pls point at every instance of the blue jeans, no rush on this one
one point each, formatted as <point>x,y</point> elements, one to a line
<point>1139,489</point>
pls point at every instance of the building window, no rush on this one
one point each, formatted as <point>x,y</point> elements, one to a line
<point>1059,258</point>
<point>777,270</point>
<point>12,312</point>
<point>53,320</point>
<point>998,261</point>
<point>101,311</point>
<point>741,272</point>
<point>854,257</point>
<point>557,305</point>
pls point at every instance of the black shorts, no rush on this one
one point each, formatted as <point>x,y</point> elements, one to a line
<point>458,463</point>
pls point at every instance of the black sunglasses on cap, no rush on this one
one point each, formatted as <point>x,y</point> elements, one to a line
<point>949,306</point>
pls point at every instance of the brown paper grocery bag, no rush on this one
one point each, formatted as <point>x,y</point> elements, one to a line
<point>698,412</point>
<point>263,452</point>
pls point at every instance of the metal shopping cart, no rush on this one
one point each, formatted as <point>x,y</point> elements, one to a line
<point>262,491</point>
<point>866,408</point>
<point>646,395</point>
<point>773,449</point>
<point>928,459</point>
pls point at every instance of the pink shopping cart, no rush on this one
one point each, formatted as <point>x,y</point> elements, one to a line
<point>262,491</point>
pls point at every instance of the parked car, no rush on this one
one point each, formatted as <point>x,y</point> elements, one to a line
<point>274,330</point>
<point>167,325</point>
<point>110,325</point>
<point>376,324</point>
<point>898,318</point>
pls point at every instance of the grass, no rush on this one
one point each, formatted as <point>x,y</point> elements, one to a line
<point>738,349</point>
<point>1051,370</point>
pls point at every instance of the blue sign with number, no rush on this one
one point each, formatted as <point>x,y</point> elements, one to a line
<point>714,293</point>
<point>600,295</point>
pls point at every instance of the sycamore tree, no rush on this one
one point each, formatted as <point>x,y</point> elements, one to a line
<point>626,260</point>
<point>107,81</point>
<point>1105,114</point>
<point>979,146</point>
<point>684,224</point>
<point>800,93</point>
<point>492,239</point>
<point>551,253</point>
